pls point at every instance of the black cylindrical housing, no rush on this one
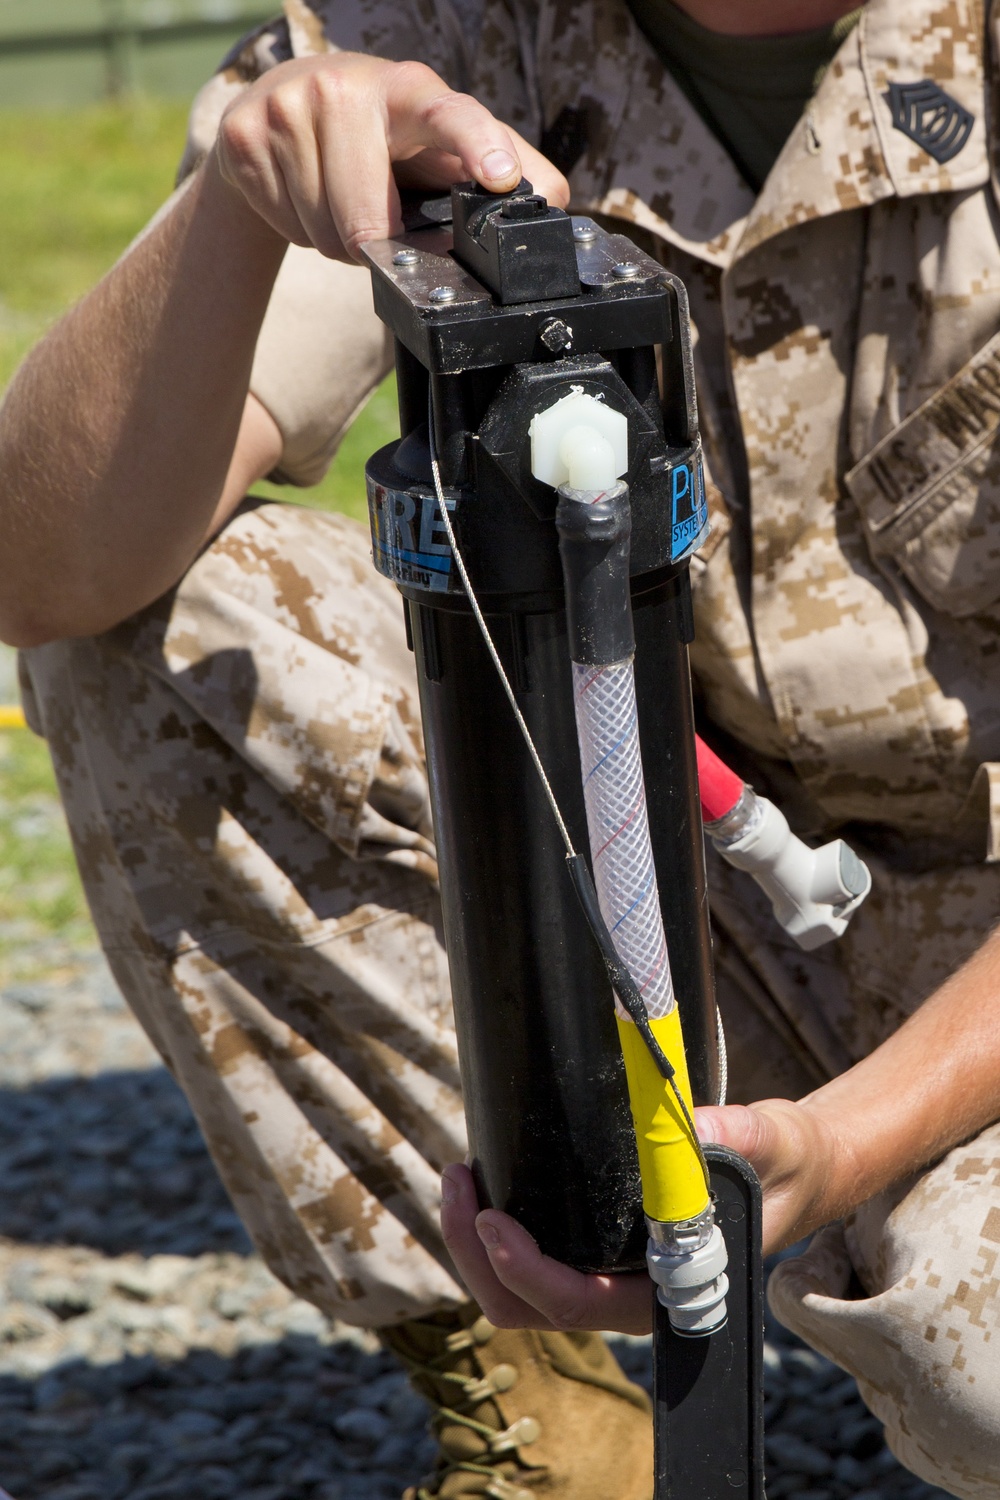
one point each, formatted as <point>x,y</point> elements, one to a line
<point>550,1128</point>
<point>594,547</point>
<point>670,770</point>
<point>550,1131</point>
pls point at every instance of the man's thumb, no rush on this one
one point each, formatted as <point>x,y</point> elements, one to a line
<point>732,1125</point>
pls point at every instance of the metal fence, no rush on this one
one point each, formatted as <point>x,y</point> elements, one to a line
<point>67,51</point>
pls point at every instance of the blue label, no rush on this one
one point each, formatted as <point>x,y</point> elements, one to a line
<point>409,542</point>
<point>688,508</point>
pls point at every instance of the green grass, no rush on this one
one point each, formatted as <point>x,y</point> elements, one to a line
<point>75,188</point>
<point>40,893</point>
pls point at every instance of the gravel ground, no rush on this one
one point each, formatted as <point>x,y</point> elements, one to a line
<point>147,1354</point>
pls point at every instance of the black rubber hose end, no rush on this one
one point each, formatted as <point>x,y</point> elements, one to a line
<point>594,544</point>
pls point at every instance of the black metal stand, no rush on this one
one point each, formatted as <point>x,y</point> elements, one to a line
<point>708,1418</point>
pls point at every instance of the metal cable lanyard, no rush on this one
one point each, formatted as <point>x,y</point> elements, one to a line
<point>538,515</point>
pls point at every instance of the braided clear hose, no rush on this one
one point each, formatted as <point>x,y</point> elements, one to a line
<point>621,853</point>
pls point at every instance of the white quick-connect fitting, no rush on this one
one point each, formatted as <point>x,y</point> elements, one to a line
<point>688,1263</point>
<point>813,892</point>
<point>582,463</point>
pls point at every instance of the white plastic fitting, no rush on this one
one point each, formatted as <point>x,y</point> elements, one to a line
<point>556,463</point>
<point>813,891</point>
<point>691,1280</point>
<point>589,460</point>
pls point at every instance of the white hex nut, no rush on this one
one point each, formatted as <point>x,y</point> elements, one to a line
<point>549,427</point>
<point>695,1268</point>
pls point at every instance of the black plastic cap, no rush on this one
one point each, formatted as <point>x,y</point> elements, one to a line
<point>515,244</point>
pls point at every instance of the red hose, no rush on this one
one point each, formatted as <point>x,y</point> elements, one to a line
<point>719,787</point>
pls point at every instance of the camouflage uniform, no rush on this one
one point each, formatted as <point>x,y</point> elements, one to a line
<point>242,765</point>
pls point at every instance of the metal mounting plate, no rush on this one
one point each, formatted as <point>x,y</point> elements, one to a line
<point>609,313</point>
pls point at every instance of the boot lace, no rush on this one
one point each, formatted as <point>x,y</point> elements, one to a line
<point>470,1391</point>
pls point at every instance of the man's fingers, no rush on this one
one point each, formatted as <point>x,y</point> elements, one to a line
<point>371,116</point>
<point>565,1298</point>
<point>459,1207</point>
<point>422,113</point>
<point>302,173</point>
<point>741,1129</point>
<point>313,147</point>
<point>440,169</point>
<point>790,1150</point>
<point>246,159</point>
<point>357,168</point>
<point>543,176</point>
<point>519,1287</point>
<point>434,170</point>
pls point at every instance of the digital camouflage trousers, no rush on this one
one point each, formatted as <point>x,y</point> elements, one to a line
<point>242,770</point>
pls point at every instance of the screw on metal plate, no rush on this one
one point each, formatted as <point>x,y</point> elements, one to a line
<point>584,233</point>
<point>442,294</point>
<point>557,336</point>
<point>626,270</point>
<point>406,257</point>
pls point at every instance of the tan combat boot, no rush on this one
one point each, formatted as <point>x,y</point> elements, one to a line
<point>525,1416</point>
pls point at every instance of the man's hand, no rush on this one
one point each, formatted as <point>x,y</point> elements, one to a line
<point>128,436</point>
<point>316,147</point>
<point>793,1151</point>
<point>933,1083</point>
<point>517,1286</point>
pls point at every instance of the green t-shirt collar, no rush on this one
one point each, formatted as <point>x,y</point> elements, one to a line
<point>750,91</point>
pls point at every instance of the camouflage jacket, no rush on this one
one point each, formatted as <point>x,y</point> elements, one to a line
<point>847,327</point>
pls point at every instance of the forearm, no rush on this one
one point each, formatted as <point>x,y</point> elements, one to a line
<point>117,435</point>
<point>932,1084</point>
<point>120,441</point>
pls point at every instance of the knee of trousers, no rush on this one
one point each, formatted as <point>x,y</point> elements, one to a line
<point>329,1142</point>
<point>261,714</point>
<point>242,776</point>
<point>924,1344</point>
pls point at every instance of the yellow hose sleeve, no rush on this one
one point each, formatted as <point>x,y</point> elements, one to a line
<point>673,1183</point>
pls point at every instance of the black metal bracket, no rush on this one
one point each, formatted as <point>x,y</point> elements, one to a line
<point>708,1393</point>
<point>453,322</point>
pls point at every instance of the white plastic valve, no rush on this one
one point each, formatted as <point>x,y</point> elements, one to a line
<point>813,891</point>
<point>548,429</point>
